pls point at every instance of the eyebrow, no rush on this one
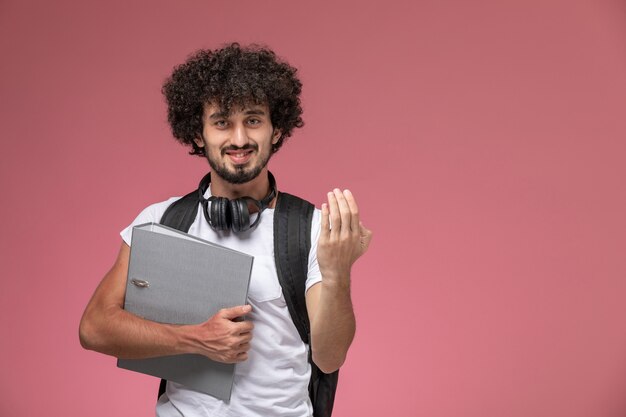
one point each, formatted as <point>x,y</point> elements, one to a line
<point>248,112</point>
<point>257,112</point>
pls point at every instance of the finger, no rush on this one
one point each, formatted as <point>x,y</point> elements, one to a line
<point>243,327</point>
<point>344,211</point>
<point>244,338</point>
<point>234,312</point>
<point>325,231</point>
<point>354,211</point>
<point>335,218</point>
<point>235,357</point>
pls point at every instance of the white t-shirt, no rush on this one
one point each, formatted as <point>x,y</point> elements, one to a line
<point>274,380</point>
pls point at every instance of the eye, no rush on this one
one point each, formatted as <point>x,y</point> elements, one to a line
<point>254,121</point>
<point>220,123</point>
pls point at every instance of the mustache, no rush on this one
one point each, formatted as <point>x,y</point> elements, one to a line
<point>248,147</point>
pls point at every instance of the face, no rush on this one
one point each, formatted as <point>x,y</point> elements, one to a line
<point>238,145</point>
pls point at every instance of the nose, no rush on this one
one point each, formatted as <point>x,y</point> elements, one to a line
<point>240,136</point>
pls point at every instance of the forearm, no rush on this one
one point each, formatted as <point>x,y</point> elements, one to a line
<point>333,325</point>
<point>114,331</point>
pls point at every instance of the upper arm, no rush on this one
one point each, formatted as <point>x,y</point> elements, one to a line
<point>314,276</point>
<point>111,291</point>
<point>313,300</point>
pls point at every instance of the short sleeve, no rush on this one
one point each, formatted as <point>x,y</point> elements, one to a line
<point>151,214</point>
<point>314,275</point>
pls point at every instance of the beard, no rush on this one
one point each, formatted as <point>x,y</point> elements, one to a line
<point>240,174</point>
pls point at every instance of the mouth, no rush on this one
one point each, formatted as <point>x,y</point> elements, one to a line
<point>239,156</point>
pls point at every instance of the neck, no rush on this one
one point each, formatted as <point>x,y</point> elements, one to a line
<point>257,188</point>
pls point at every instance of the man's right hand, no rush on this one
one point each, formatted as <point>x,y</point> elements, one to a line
<point>223,339</point>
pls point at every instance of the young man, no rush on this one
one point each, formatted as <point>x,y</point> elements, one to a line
<point>235,106</point>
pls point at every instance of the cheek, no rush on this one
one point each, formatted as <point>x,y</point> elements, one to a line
<point>213,151</point>
<point>211,146</point>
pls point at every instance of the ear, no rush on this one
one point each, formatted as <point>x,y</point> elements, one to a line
<point>276,136</point>
<point>199,142</point>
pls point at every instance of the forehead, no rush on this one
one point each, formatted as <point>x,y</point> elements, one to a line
<point>212,111</point>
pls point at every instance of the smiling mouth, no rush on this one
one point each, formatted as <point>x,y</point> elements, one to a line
<point>239,156</point>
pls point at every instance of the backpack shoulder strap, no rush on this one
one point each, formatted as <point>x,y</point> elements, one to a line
<point>292,243</point>
<point>181,214</point>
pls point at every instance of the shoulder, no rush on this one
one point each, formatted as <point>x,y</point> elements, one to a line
<point>291,195</point>
<point>150,214</point>
<point>288,201</point>
<point>153,212</point>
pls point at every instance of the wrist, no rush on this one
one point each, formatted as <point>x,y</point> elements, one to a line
<point>335,273</point>
<point>183,340</point>
<point>336,281</point>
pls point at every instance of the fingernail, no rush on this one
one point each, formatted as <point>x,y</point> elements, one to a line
<point>347,192</point>
<point>247,308</point>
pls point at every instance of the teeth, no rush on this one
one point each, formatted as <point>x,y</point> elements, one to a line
<point>238,154</point>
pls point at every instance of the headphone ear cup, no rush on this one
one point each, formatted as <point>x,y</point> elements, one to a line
<point>239,215</point>
<point>219,213</point>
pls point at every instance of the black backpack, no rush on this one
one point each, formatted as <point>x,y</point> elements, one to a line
<point>292,242</point>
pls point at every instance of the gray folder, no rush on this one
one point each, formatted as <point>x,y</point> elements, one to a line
<point>177,278</point>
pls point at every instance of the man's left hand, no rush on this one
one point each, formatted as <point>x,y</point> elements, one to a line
<point>343,238</point>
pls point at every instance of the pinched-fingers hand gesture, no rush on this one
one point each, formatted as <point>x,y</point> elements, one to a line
<point>343,238</point>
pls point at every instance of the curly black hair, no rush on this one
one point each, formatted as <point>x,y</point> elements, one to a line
<point>228,77</point>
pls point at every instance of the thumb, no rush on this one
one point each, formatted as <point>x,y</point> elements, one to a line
<point>234,312</point>
<point>366,235</point>
<point>364,231</point>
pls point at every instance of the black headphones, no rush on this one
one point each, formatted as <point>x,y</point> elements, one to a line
<point>224,214</point>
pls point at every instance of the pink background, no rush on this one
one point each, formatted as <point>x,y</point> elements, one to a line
<point>484,141</point>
